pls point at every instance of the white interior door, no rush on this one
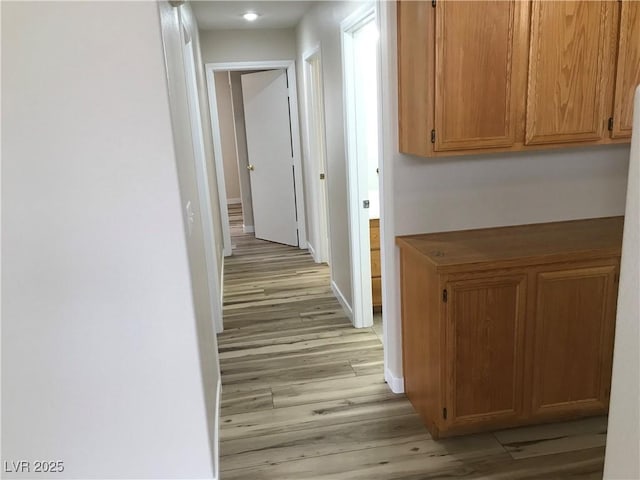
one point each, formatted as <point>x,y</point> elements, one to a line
<point>266,109</point>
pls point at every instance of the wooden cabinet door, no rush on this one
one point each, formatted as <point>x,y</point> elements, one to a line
<point>485,334</point>
<point>573,340</point>
<point>628,71</point>
<point>480,73</point>
<point>570,71</point>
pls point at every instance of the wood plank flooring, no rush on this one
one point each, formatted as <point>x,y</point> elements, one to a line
<point>303,395</point>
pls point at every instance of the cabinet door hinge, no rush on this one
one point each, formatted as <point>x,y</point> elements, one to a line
<point>433,3</point>
<point>445,295</point>
<point>444,413</point>
<point>433,136</point>
<point>610,125</point>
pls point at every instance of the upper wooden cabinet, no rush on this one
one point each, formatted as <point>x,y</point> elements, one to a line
<point>478,74</point>
<point>569,70</point>
<point>628,68</point>
<point>481,76</point>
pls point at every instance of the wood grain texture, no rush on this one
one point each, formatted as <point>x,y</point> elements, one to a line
<point>416,56</point>
<point>628,68</point>
<point>376,273</point>
<point>573,347</point>
<point>498,247</point>
<point>289,413</point>
<point>480,57</point>
<point>559,437</point>
<point>422,337</point>
<point>569,71</point>
<point>246,401</point>
<point>375,263</point>
<point>480,352</point>
<point>485,348</point>
<point>512,76</point>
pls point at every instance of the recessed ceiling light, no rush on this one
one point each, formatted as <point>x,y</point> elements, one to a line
<point>250,16</point>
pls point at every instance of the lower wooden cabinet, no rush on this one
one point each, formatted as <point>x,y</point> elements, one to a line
<point>376,273</point>
<point>509,326</point>
<point>484,348</point>
<point>572,340</point>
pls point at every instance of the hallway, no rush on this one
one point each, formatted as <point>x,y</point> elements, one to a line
<point>303,395</point>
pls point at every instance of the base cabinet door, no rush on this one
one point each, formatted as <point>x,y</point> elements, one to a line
<point>484,337</point>
<point>573,340</point>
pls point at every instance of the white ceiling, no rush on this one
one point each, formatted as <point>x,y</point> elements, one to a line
<point>226,15</point>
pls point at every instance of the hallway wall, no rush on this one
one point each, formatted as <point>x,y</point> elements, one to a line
<point>321,26</point>
<point>248,45</point>
<point>100,352</point>
<point>207,310</point>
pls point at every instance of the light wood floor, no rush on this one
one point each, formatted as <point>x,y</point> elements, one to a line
<point>303,394</point>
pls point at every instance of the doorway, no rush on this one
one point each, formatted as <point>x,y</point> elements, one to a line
<point>293,173</point>
<point>361,87</point>
<point>319,245</point>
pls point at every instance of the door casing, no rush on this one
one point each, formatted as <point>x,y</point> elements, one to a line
<point>290,67</point>
<point>316,141</point>
<point>362,303</point>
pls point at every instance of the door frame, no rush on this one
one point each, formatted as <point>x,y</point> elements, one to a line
<point>204,192</point>
<point>290,67</point>
<point>190,70</point>
<point>321,252</point>
<point>362,301</point>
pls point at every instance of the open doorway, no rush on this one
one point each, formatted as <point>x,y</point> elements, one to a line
<point>268,187</point>
<point>319,245</point>
<point>361,87</point>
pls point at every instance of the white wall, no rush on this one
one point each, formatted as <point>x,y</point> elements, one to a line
<point>426,195</point>
<point>623,435</point>
<point>100,324</point>
<point>227,135</point>
<point>248,45</point>
<point>321,26</point>
<point>176,24</point>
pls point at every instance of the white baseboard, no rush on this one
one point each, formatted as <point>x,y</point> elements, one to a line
<point>312,251</point>
<point>396,384</point>
<point>248,228</point>
<point>343,301</point>
<point>221,283</point>
<point>216,439</point>
<point>233,201</point>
